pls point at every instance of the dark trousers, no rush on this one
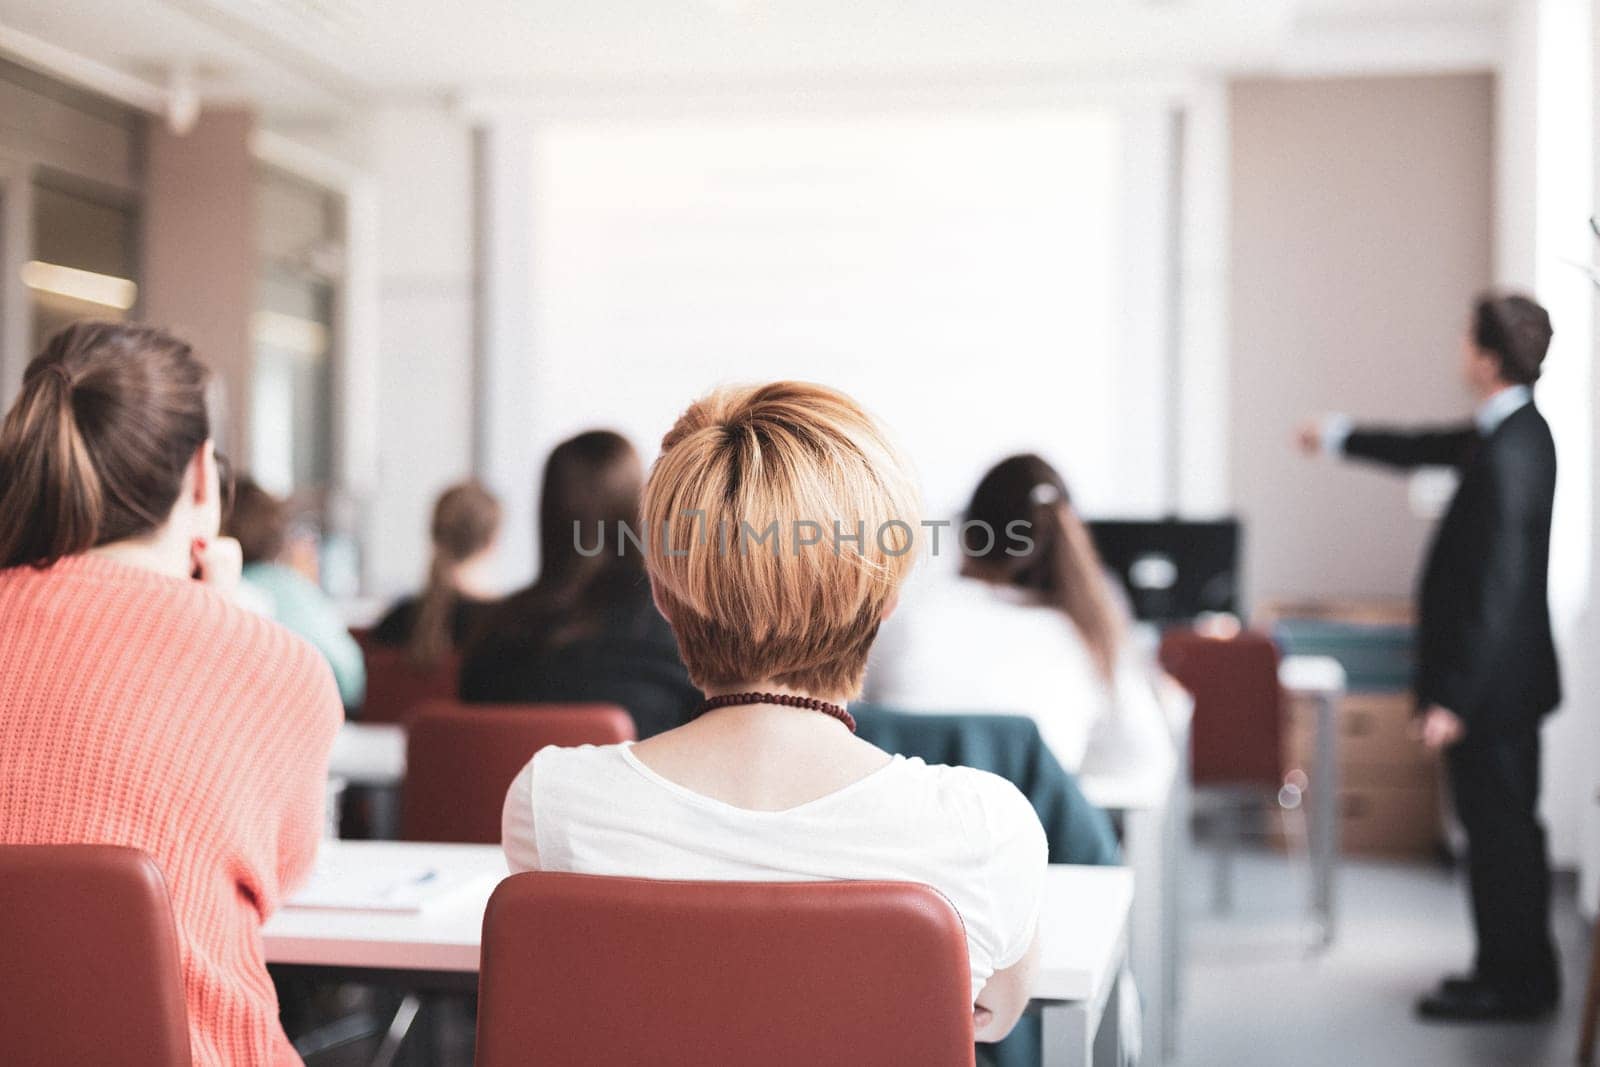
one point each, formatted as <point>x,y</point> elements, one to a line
<point>1495,781</point>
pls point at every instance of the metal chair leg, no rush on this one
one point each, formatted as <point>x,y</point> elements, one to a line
<point>1229,829</point>
<point>1297,850</point>
<point>399,1027</point>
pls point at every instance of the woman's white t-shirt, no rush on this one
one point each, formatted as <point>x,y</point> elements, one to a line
<point>967,833</point>
<point>959,645</point>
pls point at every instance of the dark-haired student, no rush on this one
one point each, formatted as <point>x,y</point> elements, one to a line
<point>1486,672</point>
<point>139,705</point>
<point>587,629</point>
<point>456,601</point>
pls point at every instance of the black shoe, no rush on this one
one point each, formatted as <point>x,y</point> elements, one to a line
<point>1479,1003</point>
<point>1455,984</point>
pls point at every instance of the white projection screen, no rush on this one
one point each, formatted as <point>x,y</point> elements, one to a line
<point>958,274</point>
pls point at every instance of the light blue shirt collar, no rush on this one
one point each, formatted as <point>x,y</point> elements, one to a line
<point>1492,412</point>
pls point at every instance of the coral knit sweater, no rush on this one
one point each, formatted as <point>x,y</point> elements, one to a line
<point>139,709</point>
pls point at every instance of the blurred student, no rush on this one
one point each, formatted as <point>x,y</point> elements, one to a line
<point>769,781</point>
<point>260,522</point>
<point>586,630</point>
<point>458,597</point>
<point>1486,672</point>
<point>139,705</point>
<point>1033,626</point>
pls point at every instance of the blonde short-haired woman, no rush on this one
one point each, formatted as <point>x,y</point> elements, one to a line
<point>780,524</point>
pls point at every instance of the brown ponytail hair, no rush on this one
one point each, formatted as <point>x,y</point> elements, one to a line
<point>1061,566</point>
<point>465,520</point>
<point>95,448</point>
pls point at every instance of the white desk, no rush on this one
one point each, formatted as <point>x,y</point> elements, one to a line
<point>1152,811</point>
<point>369,753</point>
<point>442,940</point>
<point>1151,806</point>
<point>1084,930</point>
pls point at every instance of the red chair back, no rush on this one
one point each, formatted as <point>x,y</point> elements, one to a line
<point>582,970</point>
<point>89,969</point>
<point>397,685</point>
<point>461,759</point>
<point>1237,732</point>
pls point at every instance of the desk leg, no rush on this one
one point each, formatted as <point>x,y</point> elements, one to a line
<point>1172,933</point>
<point>1325,816</point>
<point>1065,1035</point>
<point>1107,1047</point>
<point>1145,841</point>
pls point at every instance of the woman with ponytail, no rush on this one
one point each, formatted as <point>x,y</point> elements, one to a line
<point>457,598</point>
<point>1033,626</point>
<point>139,704</point>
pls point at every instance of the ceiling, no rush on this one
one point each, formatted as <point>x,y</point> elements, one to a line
<point>307,57</point>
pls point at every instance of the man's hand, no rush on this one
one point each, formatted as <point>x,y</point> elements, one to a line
<point>1309,437</point>
<point>1440,728</point>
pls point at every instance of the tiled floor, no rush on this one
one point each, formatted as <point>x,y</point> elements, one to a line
<point>1255,998</point>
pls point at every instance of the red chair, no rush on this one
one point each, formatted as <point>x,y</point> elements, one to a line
<point>1237,731</point>
<point>461,759</point>
<point>582,970</point>
<point>397,684</point>
<point>1236,736</point>
<point>89,969</point>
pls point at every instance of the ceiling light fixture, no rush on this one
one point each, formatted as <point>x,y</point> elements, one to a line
<point>290,333</point>
<point>107,290</point>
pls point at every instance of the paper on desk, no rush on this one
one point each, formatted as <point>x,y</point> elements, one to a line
<point>398,885</point>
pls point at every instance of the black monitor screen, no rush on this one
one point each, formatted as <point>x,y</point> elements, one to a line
<point>1173,570</point>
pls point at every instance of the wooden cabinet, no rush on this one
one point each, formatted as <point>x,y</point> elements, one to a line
<point>1388,784</point>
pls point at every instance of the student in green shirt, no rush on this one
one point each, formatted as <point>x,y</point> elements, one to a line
<point>260,521</point>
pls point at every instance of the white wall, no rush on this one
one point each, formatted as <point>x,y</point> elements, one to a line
<point>988,279</point>
<point>1361,222</point>
<point>509,443</point>
<point>957,273</point>
<point>422,162</point>
<point>1584,672</point>
<point>1144,340</point>
<point>1566,394</point>
<point>1201,376</point>
<point>1544,195</point>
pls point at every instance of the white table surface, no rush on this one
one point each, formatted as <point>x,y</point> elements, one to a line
<point>444,938</point>
<point>1083,929</point>
<point>1083,923</point>
<point>1137,790</point>
<point>1311,675</point>
<point>369,753</point>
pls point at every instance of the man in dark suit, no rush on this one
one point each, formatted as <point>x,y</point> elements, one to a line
<point>1486,661</point>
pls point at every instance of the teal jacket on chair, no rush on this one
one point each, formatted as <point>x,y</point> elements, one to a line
<point>1010,746</point>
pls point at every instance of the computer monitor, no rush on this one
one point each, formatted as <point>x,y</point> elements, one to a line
<point>1173,570</point>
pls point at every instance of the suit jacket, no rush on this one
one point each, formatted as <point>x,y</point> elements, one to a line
<point>1484,647</point>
